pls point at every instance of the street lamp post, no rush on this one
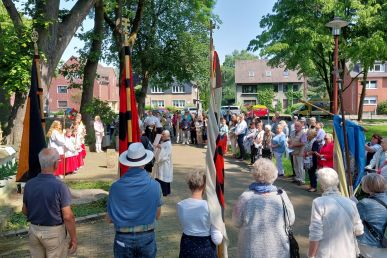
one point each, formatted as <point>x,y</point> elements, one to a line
<point>336,24</point>
<point>197,99</point>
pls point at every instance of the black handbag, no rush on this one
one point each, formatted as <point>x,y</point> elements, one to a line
<point>293,245</point>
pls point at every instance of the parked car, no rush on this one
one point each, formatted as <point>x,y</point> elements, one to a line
<point>309,110</point>
<point>258,111</point>
<point>192,110</point>
<point>233,109</point>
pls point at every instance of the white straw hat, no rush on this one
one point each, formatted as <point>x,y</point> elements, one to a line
<point>136,155</point>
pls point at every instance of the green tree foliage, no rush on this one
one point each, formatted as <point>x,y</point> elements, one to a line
<point>293,96</point>
<point>101,108</point>
<point>382,108</point>
<point>265,96</point>
<point>295,35</point>
<point>228,74</point>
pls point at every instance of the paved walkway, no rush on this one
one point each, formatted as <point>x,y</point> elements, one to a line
<point>95,238</point>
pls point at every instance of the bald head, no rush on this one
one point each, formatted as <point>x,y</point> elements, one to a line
<point>48,159</point>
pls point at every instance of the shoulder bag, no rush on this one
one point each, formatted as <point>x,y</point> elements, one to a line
<point>382,238</point>
<point>293,245</point>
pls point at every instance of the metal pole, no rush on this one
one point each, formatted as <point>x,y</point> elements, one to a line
<point>346,148</point>
<point>335,74</point>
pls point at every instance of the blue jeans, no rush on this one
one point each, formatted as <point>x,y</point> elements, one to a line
<point>241,147</point>
<point>141,245</point>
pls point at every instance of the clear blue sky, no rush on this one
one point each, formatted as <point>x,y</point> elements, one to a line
<point>240,24</point>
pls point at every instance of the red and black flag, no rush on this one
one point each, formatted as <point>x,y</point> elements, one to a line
<point>33,140</point>
<point>216,147</point>
<point>129,128</point>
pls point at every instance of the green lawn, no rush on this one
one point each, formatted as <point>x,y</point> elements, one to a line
<point>104,185</point>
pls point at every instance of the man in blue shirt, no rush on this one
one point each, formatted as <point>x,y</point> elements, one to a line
<point>134,205</point>
<point>46,203</point>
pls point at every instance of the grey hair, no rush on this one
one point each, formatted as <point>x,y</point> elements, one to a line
<point>48,157</point>
<point>312,119</point>
<point>264,171</point>
<point>373,183</point>
<point>283,122</point>
<point>196,180</point>
<point>328,178</point>
<point>167,133</point>
<point>329,135</point>
<point>268,127</point>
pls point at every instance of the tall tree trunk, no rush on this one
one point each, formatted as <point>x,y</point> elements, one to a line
<point>92,64</point>
<point>362,95</point>
<point>144,89</point>
<point>53,40</point>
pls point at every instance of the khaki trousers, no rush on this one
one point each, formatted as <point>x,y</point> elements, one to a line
<point>48,242</point>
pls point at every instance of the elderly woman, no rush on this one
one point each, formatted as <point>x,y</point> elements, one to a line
<point>325,155</point>
<point>378,161</point>
<point>373,213</point>
<point>258,214</point>
<point>163,167</point>
<point>199,237</point>
<point>99,133</point>
<point>266,142</point>
<point>310,159</point>
<point>334,221</point>
<point>373,146</point>
<point>278,144</point>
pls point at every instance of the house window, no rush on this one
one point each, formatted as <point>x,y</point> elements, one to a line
<point>370,100</point>
<point>157,103</point>
<point>62,89</point>
<point>177,89</point>
<point>280,88</point>
<point>275,87</point>
<point>251,73</point>
<point>371,85</point>
<point>285,103</point>
<point>377,68</point>
<point>249,89</point>
<point>296,87</point>
<point>286,88</point>
<point>178,103</point>
<point>285,73</point>
<point>62,104</point>
<point>249,102</point>
<point>268,73</point>
<point>156,89</point>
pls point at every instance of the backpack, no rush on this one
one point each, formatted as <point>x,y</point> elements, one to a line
<point>381,238</point>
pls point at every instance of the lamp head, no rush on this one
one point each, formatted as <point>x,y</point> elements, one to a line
<point>336,24</point>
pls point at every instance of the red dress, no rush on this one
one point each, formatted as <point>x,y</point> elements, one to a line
<point>327,151</point>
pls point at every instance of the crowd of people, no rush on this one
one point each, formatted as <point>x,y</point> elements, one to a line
<point>263,214</point>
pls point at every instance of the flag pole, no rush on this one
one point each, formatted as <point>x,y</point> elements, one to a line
<point>220,248</point>
<point>64,148</point>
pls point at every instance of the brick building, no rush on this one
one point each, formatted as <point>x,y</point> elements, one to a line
<point>376,89</point>
<point>60,96</point>
<point>252,74</point>
<point>179,95</point>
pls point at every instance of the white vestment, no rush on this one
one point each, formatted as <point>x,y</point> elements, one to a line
<point>163,168</point>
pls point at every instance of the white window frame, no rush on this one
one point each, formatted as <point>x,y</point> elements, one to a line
<point>251,73</point>
<point>280,87</point>
<point>158,103</point>
<point>268,73</point>
<point>57,89</point>
<point>156,89</point>
<point>178,102</point>
<point>381,70</point>
<point>67,103</point>
<point>286,73</point>
<point>368,84</point>
<point>178,89</point>
<point>252,89</point>
<point>368,99</point>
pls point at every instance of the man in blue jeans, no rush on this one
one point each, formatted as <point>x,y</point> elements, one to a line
<point>134,205</point>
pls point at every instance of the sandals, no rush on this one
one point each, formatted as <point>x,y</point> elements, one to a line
<point>312,190</point>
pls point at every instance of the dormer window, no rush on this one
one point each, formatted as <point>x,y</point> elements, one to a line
<point>251,73</point>
<point>268,73</point>
<point>286,73</point>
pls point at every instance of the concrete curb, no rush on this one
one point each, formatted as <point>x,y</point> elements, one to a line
<point>87,218</point>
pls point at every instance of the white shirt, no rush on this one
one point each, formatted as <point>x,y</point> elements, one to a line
<point>152,121</point>
<point>334,223</point>
<point>57,141</point>
<point>241,128</point>
<point>194,217</point>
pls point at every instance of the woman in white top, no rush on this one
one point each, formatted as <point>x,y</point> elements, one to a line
<point>163,167</point>
<point>99,133</point>
<point>56,140</point>
<point>334,221</point>
<point>199,237</point>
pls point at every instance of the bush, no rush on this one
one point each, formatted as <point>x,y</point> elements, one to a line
<point>8,170</point>
<point>382,108</point>
<point>289,110</point>
<point>101,108</point>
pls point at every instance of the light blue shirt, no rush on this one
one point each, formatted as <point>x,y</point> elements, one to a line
<point>194,217</point>
<point>280,140</point>
<point>134,199</point>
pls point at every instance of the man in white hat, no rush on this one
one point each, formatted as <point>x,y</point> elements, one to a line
<point>134,205</point>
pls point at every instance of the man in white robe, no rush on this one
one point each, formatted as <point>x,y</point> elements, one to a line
<point>163,168</point>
